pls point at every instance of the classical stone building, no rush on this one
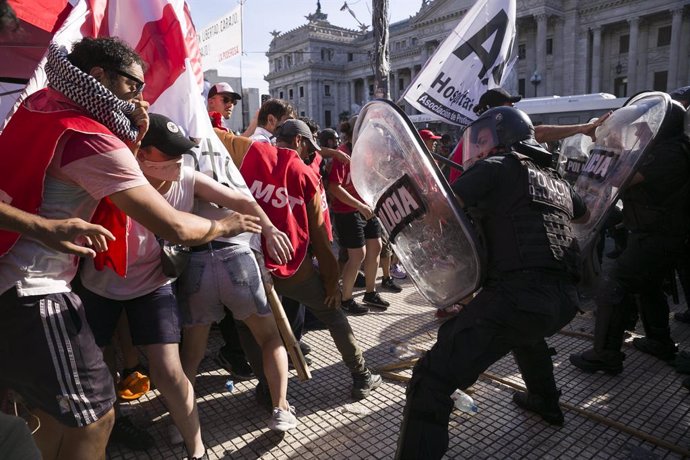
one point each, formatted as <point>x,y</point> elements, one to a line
<point>565,47</point>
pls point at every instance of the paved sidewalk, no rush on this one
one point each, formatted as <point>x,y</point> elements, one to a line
<point>623,417</point>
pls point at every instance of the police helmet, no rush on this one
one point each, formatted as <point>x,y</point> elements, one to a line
<point>499,130</point>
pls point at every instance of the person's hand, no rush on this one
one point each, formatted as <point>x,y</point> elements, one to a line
<point>278,245</point>
<point>590,129</point>
<point>74,236</point>
<point>237,223</point>
<point>140,118</point>
<point>333,296</point>
<point>366,211</point>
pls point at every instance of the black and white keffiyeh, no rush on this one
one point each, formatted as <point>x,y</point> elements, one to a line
<point>86,91</point>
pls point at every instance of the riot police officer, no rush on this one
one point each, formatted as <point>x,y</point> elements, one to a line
<point>523,210</point>
<point>655,211</point>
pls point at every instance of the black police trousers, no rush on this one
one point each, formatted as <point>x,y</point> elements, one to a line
<point>514,313</point>
<point>639,271</point>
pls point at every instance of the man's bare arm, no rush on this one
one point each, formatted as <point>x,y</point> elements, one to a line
<point>328,265</point>
<point>64,235</point>
<point>550,133</point>
<point>145,205</point>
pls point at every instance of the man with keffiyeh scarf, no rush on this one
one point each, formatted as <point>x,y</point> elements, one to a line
<point>91,118</point>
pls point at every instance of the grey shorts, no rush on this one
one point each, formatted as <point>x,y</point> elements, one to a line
<point>216,279</point>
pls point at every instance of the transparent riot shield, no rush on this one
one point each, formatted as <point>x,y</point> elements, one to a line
<point>622,141</point>
<point>395,175</point>
<point>574,155</point>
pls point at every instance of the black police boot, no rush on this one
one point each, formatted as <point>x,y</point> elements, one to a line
<point>546,407</point>
<point>363,384</point>
<point>663,350</point>
<point>590,361</point>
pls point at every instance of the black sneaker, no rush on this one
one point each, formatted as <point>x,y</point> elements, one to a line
<point>665,351</point>
<point>353,307</point>
<point>549,410</point>
<point>390,284</point>
<point>237,366</point>
<point>683,317</point>
<point>204,456</point>
<point>364,383</point>
<point>360,281</point>
<point>581,361</point>
<point>686,383</point>
<point>306,349</point>
<point>129,435</point>
<point>374,299</point>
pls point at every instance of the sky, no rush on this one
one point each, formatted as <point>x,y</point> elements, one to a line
<point>260,17</point>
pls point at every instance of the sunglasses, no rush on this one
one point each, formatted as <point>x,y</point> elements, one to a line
<point>138,84</point>
<point>229,100</point>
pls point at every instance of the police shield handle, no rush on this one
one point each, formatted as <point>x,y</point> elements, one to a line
<point>291,344</point>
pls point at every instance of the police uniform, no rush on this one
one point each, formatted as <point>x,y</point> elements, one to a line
<point>524,213</point>
<point>655,211</point>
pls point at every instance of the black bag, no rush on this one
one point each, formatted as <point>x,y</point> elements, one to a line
<point>174,258</point>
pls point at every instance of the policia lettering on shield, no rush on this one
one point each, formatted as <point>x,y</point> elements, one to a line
<point>524,211</point>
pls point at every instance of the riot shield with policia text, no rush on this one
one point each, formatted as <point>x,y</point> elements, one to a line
<point>394,174</point>
<point>621,144</point>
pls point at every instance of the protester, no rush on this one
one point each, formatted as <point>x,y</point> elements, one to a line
<point>288,190</point>
<point>73,398</point>
<point>529,293</point>
<point>430,139</point>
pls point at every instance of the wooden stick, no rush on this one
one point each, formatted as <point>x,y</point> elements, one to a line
<point>398,365</point>
<point>394,376</point>
<point>291,343</point>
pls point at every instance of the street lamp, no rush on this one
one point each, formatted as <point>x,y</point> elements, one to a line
<point>535,80</point>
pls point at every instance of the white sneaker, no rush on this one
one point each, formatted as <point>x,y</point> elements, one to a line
<point>283,420</point>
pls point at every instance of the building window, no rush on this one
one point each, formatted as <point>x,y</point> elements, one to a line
<point>327,118</point>
<point>620,86</point>
<point>549,46</point>
<point>401,84</point>
<point>301,91</point>
<point>291,94</point>
<point>350,57</point>
<point>323,54</point>
<point>522,51</point>
<point>371,90</point>
<point>660,79</point>
<point>623,44</point>
<point>414,41</point>
<point>302,114</point>
<point>281,95</point>
<point>663,37</point>
<point>326,90</point>
<point>521,86</point>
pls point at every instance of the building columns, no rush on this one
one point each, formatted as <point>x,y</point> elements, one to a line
<point>632,54</point>
<point>676,24</point>
<point>542,20</point>
<point>596,59</point>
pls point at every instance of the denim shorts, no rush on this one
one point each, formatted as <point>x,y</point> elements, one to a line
<point>216,279</point>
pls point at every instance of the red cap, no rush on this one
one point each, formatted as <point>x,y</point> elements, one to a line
<point>428,134</point>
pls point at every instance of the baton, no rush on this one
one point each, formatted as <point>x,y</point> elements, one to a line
<point>291,344</point>
<point>446,161</point>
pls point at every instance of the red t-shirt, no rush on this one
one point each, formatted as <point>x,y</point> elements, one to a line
<point>283,186</point>
<point>456,156</point>
<point>340,174</point>
<point>316,166</point>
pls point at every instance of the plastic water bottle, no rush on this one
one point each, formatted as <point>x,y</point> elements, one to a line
<point>229,385</point>
<point>404,351</point>
<point>464,402</point>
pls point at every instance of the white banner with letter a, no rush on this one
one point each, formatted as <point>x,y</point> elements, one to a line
<point>475,57</point>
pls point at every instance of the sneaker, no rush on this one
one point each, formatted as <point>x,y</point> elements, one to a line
<point>283,420</point>
<point>129,435</point>
<point>364,383</point>
<point>353,307</point>
<point>683,317</point>
<point>360,281</point>
<point>307,360</point>
<point>585,362</point>
<point>398,272</point>
<point>686,383</point>
<point>133,386</point>
<point>448,312</point>
<point>263,396</point>
<point>665,351</point>
<point>237,366</point>
<point>389,284</point>
<point>374,299</point>
<point>204,456</point>
<point>549,411</point>
<point>306,349</point>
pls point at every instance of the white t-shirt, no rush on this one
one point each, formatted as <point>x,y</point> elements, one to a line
<point>144,273</point>
<point>84,169</point>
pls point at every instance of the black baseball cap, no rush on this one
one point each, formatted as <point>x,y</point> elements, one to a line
<point>292,127</point>
<point>495,97</point>
<point>327,134</point>
<point>166,136</point>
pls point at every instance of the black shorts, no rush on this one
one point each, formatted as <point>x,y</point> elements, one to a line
<point>153,318</point>
<point>49,356</point>
<point>354,230</point>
